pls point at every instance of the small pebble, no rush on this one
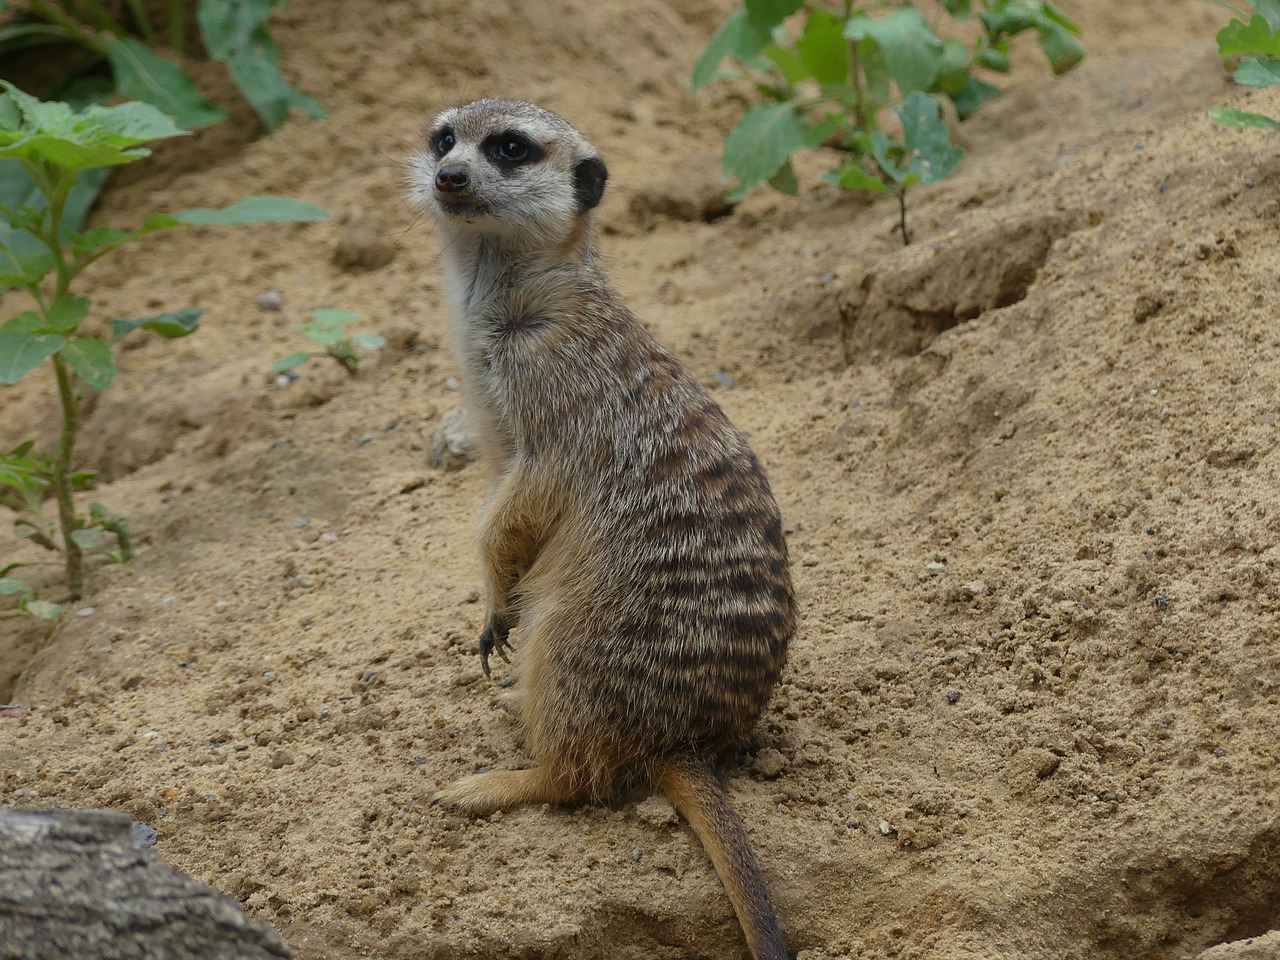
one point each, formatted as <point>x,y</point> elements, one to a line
<point>270,300</point>
<point>144,836</point>
<point>885,829</point>
<point>281,758</point>
<point>953,696</point>
<point>453,383</point>
<point>85,612</point>
<point>935,568</point>
<point>725,380</point>
<point>636,854</point>
<point>770,762</point>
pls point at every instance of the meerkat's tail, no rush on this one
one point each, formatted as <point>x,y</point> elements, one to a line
<point>696,790</point>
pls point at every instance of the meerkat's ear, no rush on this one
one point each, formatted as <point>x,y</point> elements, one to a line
<point>589,177</point>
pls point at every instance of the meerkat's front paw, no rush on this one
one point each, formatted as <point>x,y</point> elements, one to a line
<point>495,638</point>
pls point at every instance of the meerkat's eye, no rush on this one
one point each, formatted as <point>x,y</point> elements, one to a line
<point>443,142</point>
<point>511,149</point>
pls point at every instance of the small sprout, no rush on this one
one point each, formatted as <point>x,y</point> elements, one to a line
<point>328,329</point>
<point>47,150</point>
<point>827,83</point>
<point>1257,43</point>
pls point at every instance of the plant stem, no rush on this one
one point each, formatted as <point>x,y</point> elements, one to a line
<point>61,189</point>
<point>855,75</point>
<point>75,28</point>
<point>177,24</point>
<point>102,17</point>
<point>902,216</point>
<point>142,21</point>
<point>61,483</point>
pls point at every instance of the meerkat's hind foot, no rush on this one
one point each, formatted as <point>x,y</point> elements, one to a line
<point>504,789</point>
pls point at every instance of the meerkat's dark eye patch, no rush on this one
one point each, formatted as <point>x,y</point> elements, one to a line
<point>442,141</point>
<point>589,177</point>
<point>511,150</point>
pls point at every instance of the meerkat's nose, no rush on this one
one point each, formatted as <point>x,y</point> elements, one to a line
<point>451,179</point>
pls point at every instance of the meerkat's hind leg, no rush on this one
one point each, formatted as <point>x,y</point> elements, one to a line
<point>504,789</point>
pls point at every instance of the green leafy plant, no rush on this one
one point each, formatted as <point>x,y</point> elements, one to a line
<point>328,329</point>
<point>232,32</point>
<point>43,256</point>
<point>829,72</point>
<point>1255,38</point>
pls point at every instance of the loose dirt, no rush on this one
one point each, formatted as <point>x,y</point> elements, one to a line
<point>1028,467</point>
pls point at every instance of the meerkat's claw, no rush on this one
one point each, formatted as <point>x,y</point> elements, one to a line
<point>495,639</point>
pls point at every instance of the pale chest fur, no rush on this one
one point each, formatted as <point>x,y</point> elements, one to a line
<point>502,298</point>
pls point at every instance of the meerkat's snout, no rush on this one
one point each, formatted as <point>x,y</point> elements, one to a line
<point>452,179</point>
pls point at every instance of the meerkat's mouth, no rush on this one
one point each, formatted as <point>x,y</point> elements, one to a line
<point>463,208</point>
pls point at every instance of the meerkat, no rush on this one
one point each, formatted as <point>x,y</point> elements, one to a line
<point>631,545</point>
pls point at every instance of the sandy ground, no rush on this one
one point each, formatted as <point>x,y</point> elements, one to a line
<point>1028,468</point>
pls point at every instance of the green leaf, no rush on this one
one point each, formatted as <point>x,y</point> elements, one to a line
<point>930,154</point>
<point>324,334</point>
<point>1259,72</point>
<point>333,317</point>
<point>20,353</point>
<point>855,178</point>
<point>958,8</point>
<point>369,341</point>
<point>767,14</point>
<point>1231,118</point>
<point>1060,47</point>
<point>994,58</point>
<point>235,34</point>
<point>1007,17</point>
<point>24,259</point>
<point>289,362</point>
<point>912,51</point>
<point>789,64</point>
<point>28,322</point>
<point>953,72</point>
<point>761,143</point>
<point>1271,10</point>
<point>737,38</point>
<point>91,359</point>
<point>88,537</point>
<point>975,93</point>
<point>10,586</point>
<point>785,180</point>
<point>43,609</point>
<point>168,325</point>
<point>98,240</point>
<point>52,132</point>
<point>875,69</point>
<point>822,47</point>
<point>253,210</point>
<point>144,75</point>
<point>1254,37</point>
<point>67,314</point>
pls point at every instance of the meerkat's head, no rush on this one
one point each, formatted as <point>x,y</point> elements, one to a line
<point>510,169</point>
